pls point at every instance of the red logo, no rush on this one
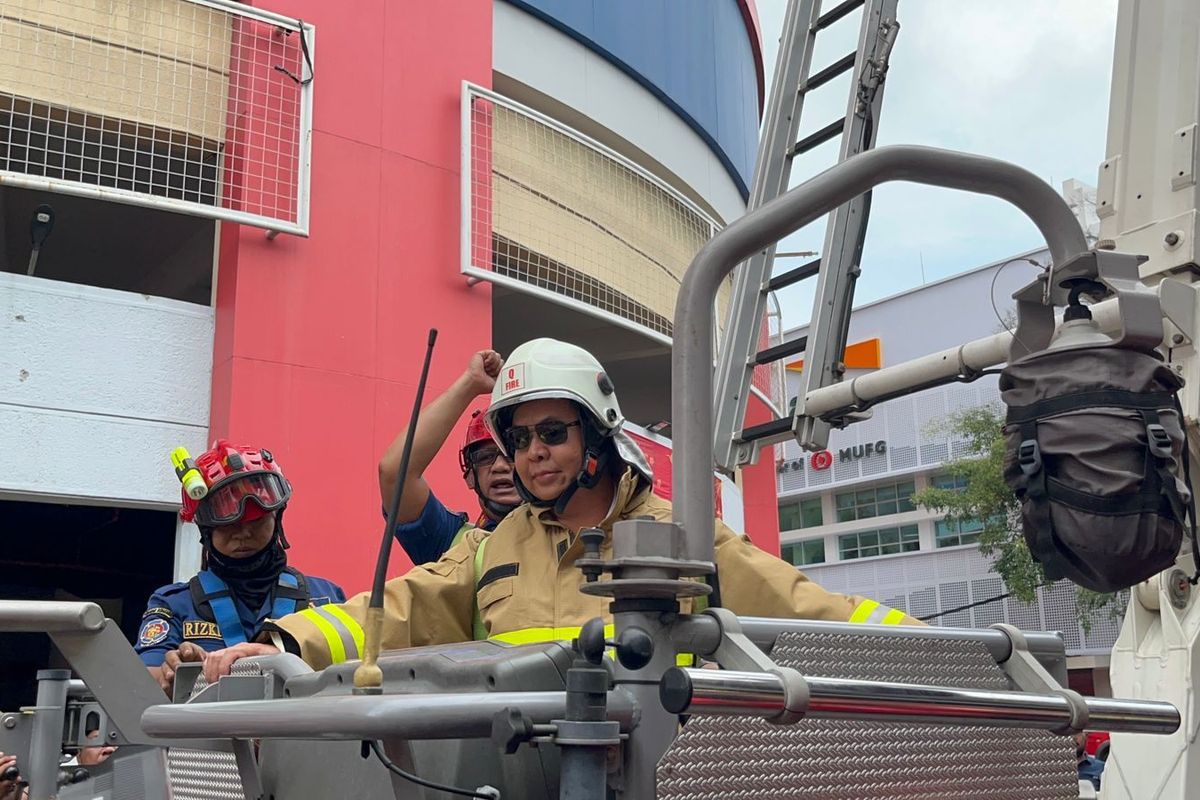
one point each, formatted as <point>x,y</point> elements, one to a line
<point>514,378</point>
<point>153,631</point>
<point>821,460</point>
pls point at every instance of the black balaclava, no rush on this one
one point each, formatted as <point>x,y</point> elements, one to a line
<point>252,578</point>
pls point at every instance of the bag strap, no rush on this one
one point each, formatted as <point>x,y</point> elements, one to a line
<point>1177,504</point>
<point>1187,478</point>
<point>1079,401</point>
<point>1044,545</point>
<point>1029,458</point>
<point>291,594</point>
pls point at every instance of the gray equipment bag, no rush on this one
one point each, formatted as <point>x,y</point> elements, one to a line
<point>1094,445</point>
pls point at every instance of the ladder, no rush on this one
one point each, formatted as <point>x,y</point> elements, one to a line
<point>838,267</point>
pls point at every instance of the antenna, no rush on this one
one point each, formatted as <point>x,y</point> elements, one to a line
<point>368,677</point>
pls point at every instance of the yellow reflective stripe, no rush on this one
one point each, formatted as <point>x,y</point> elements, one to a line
<point>478,631</point>
<point>356,631</point>
<point>535,635</point>
<point>863,611</point>
<point>466,526</point>
<point>337,653</point>
<point>871,612</point>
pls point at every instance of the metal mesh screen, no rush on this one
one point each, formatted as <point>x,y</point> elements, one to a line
<point>548,210</point>
<point>727,758</point>
<point>196,106</point>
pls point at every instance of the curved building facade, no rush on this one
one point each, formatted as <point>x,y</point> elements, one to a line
<point>267,270</point>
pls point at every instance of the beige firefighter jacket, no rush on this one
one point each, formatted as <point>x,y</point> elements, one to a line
<point>523,586</point>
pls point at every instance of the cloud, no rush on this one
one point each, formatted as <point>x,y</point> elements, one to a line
<point>1026,81</point>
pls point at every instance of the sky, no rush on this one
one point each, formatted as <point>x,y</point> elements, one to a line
<point>1026,81</point>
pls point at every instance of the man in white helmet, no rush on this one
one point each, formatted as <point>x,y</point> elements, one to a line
<point>554,411</point>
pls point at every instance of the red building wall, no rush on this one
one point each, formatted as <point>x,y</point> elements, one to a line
<point>759,488</point>
<point>319,341</point>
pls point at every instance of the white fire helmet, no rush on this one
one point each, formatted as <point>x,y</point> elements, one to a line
<point>548,368</point>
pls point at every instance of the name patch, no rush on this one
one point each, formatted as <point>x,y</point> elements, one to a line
<point>199,629</point>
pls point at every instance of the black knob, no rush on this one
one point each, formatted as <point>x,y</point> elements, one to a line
<point>10,774</point>
<point>510,728</point>
<point>590,643</point>
<point>635,648</point>
<point>675,690</point>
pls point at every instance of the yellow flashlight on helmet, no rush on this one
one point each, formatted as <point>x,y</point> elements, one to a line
<point>188,474</point>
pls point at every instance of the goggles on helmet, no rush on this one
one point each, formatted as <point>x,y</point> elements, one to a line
<point>551,432</point>
<point>226,501</point>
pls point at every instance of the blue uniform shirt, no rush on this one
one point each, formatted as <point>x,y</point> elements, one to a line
<point>1090,769</point>
<point>430,535</point>
<point>172,618</point>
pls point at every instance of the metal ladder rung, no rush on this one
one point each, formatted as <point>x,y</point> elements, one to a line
<point>773,354</point>
<point>794,275</point>
<point>823,77</point>
<point>767,429</point>
<point>837,12</point>
<point>819,138</point>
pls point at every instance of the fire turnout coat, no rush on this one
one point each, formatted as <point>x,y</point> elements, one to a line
<point>519,584</point>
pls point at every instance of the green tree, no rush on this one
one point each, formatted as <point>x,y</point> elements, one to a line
<point>988,498</point>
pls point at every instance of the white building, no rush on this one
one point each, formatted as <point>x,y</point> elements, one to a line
<point>846,516</point>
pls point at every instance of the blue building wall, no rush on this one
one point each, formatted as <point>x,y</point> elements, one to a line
<point>695,56</point>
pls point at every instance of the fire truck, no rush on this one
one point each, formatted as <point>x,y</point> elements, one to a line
<point>797,708</point>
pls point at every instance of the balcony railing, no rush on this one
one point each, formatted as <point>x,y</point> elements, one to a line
<point>200,107</point>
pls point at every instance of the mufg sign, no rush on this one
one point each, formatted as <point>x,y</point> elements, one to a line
<point>824,459</point>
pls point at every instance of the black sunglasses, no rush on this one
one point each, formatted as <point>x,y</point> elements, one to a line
<point>551,431</point>
<point>483,457</point>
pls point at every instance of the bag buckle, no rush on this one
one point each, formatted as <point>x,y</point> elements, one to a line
<point>1159,440</point>
<point>1029,457</point>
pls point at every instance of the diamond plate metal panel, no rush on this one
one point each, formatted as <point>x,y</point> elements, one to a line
<point>731,758</point>
<point>203,774</point>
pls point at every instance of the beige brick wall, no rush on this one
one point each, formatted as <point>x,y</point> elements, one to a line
<point>563,200</point>
<point>156,62</point>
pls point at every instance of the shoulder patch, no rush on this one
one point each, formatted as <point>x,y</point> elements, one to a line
<point>152,632</point>
<point>160,611</point>
<point>201,629</point>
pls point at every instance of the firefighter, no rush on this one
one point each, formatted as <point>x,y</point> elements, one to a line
<point>555,411</point>
<point>244,577</point>
<point>426,528</point>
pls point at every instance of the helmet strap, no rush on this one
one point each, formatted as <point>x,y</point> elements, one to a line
<point>597,454</point>
<point>283,542</point>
